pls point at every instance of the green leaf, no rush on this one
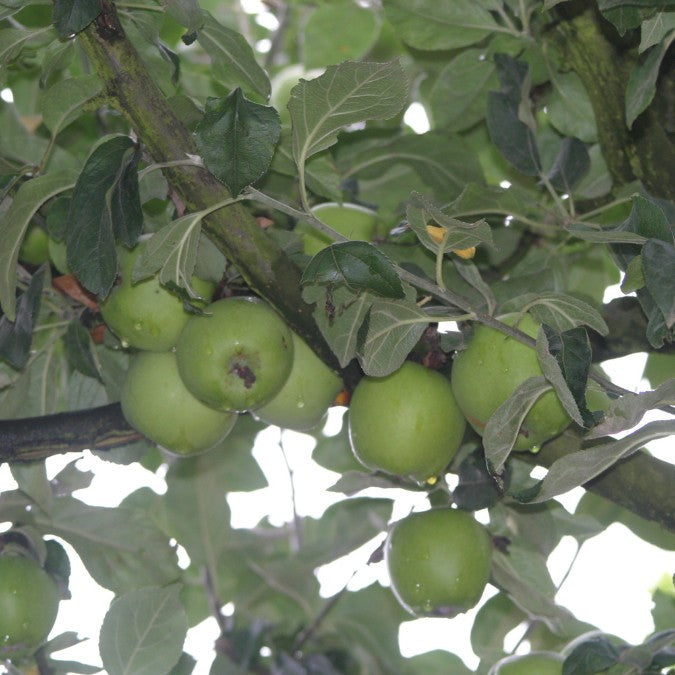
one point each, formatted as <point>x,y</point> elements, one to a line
<point>143,632</point>
<point>368,621</point>
<point>195,499</point>
<point>120,547</point>
<point>338,31</point>
<point>577,468</point>
<point>648,219</point>
<point>237,138</point>
<point>233,60</point>
<point>458,97</point>
<point>570,165</point>
<point>354,481</point>
<point>494,620</point>
<point>510,128</point>
<point>501,430</point>
<point>344,527</point>
<point>62,103</point>
<point>356,264</point>
<point>16,336</point>
<point>31,477</point>
<point>655,29</point>
<point>394,328</point>
<point>443,161</point>
<point>28,199</point>
<point>558,310</point>
<point>429,24</point>
<point>186,12</point>
<point>171,251</point>
<point>569,108</point>
<point>565,359</point>
<point>634,279</point>
<point>522,574</point>
<point>105,207</point>
<point>606,236</point>
<point>642,82</point>
<point>72,16</point>
<point>13,40</point>
<point>339,314</point>
<point>344,94</point>
<point>658,264</point>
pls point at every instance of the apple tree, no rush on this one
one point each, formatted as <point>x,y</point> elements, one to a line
<point>223,215</point>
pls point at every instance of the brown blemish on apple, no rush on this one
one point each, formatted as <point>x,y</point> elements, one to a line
<point>244,373</point>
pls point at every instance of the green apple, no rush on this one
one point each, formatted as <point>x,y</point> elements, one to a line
<point>489,370</point>
<point>309,391</point>
<point>34,247</point>
<point>406,423</point>
<point>438,561</point>
<point>146,315</point>
<point>156,402</point>
<point>29,602</point>
<point>535,663</point>
<point>236,357</point>
<point>351,220</point>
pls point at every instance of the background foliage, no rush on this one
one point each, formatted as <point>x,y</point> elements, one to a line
<point>549,150</point>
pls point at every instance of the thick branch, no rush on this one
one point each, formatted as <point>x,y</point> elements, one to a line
<point>641,483</point>
<point>627,331</point>
<point>262,263</point>
<point>604,67</point>
<point>33,438</point>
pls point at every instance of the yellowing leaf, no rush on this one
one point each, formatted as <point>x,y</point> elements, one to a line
<point>465,253</point>
<point>436,232</point>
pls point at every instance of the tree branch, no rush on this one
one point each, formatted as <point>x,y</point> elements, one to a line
<point>604,66</point>
<point>33,438</point>
<point>263,264</point>
<point>641,483</point>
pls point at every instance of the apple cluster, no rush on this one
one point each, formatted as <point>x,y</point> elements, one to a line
<point>192,374</point>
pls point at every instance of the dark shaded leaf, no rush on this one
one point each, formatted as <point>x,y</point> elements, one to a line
<point>658,264</point>
<point>565,358</point>
<point>591,656</point>
<point>570,165</point>
<point>477,488</point>
<point>105,207</point>
<point>507,120</point>
<point>356,264</point>
<point>72,16</point>
<point>16,336</point>
<point>237,138</point>
<point>79,350</point>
